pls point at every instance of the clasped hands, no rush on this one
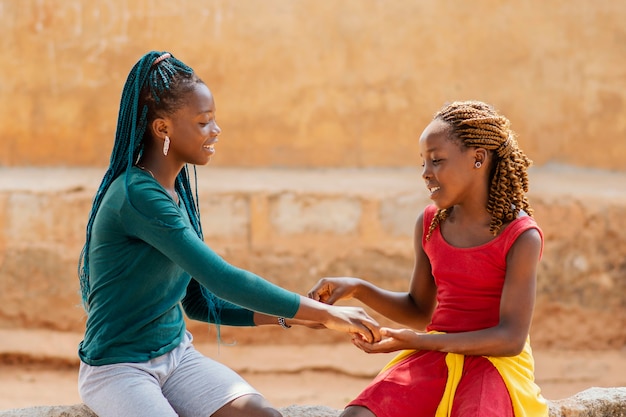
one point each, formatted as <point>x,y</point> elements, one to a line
<point>378,339</point>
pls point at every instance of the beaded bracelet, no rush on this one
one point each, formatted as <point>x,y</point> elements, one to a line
<point>283,324</point>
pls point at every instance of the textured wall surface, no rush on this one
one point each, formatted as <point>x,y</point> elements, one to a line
<point>303,83</point>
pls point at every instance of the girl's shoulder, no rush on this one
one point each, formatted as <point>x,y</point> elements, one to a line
<point>142,192</point>
<point>522,222</point>
<point>517,227</point>
<point>138,177</point>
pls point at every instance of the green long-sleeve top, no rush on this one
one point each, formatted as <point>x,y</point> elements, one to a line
<point>143,253</point>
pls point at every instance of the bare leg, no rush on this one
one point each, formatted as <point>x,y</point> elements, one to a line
<point>251,405</point>
<point>357,411</point>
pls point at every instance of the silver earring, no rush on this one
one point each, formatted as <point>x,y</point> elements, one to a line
<point>478,164</point>
<point>166,145</point>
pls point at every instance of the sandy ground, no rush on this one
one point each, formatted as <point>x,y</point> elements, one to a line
<point>39,368</point>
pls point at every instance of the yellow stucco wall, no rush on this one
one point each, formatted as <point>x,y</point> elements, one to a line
<point>304,83</point>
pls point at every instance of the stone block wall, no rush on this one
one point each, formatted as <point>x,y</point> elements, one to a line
<point>294,226</point>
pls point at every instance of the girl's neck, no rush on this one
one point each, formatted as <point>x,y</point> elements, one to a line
<point>465,228</point>
<point>164,176</point>
<point>470,215</point>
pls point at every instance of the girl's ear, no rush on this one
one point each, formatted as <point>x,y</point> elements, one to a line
<point>159,127</point>
<point>481,156</point>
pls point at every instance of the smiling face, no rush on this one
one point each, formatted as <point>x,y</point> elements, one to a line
<point>193,129</point>
<point>448,167</point>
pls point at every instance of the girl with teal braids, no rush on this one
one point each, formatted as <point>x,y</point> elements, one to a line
<point>145,264</point>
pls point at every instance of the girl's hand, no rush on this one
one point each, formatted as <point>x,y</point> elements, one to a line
<point>331,290</point>
<point>353,320</point>
<point>392,340</point>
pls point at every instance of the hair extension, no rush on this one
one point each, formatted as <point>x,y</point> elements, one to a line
<point>156,86</point>
<point>476,124</point>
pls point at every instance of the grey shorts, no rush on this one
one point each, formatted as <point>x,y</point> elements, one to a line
<point>182,383</point>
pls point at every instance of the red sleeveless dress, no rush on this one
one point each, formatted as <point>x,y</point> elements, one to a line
<point>469,285</point>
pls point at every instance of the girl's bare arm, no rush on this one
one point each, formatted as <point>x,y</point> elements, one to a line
<point>413,308</point>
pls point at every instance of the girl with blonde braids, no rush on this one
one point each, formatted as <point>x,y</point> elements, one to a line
<point>145,264</point>
<point>465,348</point>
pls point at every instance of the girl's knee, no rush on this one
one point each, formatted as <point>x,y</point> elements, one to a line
<point>272,412</point>
<point>266,412</point>
<point>252,405</point>
<point>357,411</point>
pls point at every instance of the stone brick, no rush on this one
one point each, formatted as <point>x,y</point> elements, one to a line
<point>293,214</point>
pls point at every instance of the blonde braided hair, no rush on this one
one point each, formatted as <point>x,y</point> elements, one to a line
<point>477,124</point>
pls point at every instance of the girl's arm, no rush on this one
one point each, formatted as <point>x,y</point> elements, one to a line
<point>413,308</point>
<point>516,307</point>
<point>261,319</point>
<point>152,218</point>
<point>196,307</point>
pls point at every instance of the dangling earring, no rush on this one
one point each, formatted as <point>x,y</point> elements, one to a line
<point>477,164</point>
<point>166,145</point>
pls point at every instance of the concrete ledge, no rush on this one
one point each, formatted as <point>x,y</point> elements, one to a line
<point>593,402</point>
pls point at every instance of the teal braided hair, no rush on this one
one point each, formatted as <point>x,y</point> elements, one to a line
<point>156,86</point>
